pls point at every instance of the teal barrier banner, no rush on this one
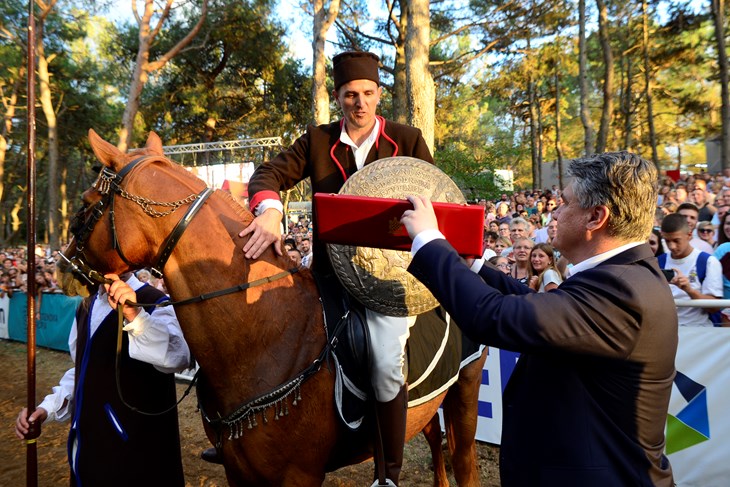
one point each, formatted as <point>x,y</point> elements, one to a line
<point>53,323</point>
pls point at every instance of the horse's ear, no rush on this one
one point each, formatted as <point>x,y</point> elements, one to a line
<point>104,151</point>
<point>154,144</point>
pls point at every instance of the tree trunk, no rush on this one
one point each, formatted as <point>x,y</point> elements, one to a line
<point>718,15</point>
<point>558,146</point>
<point>540,135</point>
<point>626,102</point>
<point>324,17</point>
<point>647,85</point>
<point>534,143</point>
<point>9,104</point>
<point>585,112</point>
<point>419,82</point>
<point>45,98</point>
<point>143,66</point>
<point>607,112</point>
<point>63,194</point>
<point>399,93</point>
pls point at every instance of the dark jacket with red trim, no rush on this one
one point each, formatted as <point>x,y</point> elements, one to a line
<point>115,445</point>
<point>312,156</point>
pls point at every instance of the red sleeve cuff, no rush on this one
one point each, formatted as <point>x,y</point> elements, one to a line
<point>261,196</point>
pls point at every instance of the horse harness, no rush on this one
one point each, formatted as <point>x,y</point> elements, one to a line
<point>108,185</point>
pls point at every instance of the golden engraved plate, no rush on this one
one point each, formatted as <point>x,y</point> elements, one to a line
<point>376,277</point>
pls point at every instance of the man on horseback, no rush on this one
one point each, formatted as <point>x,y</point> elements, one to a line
<point>329,154</point>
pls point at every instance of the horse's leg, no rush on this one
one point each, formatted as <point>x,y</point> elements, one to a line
<point>432,432</point>
<point>460,416</point>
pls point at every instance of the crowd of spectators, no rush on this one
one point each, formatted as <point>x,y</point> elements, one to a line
<point>298,242</point>
<point>519,229</point>
<point>14,272</point>
<point>703,200</point>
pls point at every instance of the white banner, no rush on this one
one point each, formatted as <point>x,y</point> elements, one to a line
<point>698,424</point>
<point>4,310</point>
<point>497,369</point>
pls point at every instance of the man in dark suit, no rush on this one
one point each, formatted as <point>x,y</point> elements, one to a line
<point>587,402</point>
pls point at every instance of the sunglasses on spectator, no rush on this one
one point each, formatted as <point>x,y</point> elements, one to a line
<point>705,230</point>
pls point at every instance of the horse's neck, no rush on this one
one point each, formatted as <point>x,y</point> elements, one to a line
<point>273,323</point>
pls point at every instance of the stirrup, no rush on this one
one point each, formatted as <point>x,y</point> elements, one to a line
<point>388,482</point>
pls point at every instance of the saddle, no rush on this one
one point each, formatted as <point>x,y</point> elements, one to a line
<point>435,353</point>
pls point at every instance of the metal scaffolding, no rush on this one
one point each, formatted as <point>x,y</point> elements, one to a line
<point>221,152</point>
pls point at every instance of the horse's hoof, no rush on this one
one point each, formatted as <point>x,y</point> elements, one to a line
<point>211,455</point>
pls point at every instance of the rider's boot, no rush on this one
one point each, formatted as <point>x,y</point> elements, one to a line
<point>212,455</point>
<point>392,419</point>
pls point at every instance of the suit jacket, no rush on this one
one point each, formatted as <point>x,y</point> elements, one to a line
<point>587,402</point>
<point>320,156</point>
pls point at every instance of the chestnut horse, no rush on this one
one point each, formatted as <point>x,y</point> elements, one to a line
<point>260,347</point>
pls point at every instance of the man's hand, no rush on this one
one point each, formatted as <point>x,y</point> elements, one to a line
<point>120,292</point>
<point>265,230</point>
<point>420,218</point>
<point>22,424</point>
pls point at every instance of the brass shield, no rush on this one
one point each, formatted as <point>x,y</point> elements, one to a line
<point>378,277</point>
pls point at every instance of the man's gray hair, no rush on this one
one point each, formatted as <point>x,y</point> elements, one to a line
<point>519,221</point>
<point>626,184</point>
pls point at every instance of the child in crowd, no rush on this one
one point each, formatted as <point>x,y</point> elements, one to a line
<point>545,276</point>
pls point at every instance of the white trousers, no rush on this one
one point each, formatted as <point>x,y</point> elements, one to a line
<point>388,336</point>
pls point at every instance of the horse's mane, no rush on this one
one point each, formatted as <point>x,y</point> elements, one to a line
<point>240,210</point>
<point>246,215</point>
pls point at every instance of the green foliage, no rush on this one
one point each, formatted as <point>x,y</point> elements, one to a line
<point>232,83</point>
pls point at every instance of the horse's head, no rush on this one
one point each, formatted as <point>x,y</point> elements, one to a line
<point>113,230</point>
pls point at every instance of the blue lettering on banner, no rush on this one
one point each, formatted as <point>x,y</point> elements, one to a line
<point>485,409</point>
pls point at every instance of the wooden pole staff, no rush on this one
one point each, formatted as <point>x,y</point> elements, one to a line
<point>35,429</point>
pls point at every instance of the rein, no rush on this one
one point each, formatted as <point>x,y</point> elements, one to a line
<point>195,299</point>
<point>109,184</point>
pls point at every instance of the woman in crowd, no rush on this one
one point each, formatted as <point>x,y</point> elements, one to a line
<point>706,232</point>
<point>521,269</point>
<point>724,227</point>
<point>722,253</point>
<point>545,275</point>
<point>501,263</point>
<point>502,244</point>
<point>655,242</point>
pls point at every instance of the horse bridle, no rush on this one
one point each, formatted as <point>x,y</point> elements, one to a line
<point>108,185</point>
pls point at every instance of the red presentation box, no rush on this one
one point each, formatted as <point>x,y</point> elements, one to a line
<point>375,222</point>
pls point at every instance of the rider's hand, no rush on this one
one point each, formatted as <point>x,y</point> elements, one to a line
<point>22,423</point>
<point>264,230</point>
<point>420,218</point>
<point>120,292</point>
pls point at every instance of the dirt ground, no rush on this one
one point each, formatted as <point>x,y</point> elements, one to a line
<point>53,469</point>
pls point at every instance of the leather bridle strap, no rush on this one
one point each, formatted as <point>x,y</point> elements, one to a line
<point>172,239</point>
<point>178,231</point>
<point>115,186</point>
